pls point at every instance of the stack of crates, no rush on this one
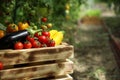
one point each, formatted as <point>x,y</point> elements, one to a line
<point>49,63</point>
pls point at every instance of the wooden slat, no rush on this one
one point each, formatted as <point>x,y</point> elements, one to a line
<point>13,57</point>
<point>67,77</point>
<point>63,77</point>
<point>41,71</point>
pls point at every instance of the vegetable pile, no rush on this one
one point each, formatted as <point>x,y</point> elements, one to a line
<point>28,35</point>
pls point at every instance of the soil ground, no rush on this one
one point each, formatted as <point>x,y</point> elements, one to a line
<point>94,59</point>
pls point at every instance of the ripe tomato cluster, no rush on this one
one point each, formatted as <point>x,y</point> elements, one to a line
<point>36,41</point>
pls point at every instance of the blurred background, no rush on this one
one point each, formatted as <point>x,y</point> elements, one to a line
<point>91,26</point>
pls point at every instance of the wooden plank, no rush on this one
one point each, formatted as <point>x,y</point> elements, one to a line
<point>13,57</point>
<point>35,71</point>
<point>67,77</point>
<point>63,77</point>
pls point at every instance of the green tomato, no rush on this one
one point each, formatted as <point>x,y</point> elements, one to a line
<point>44,27</point>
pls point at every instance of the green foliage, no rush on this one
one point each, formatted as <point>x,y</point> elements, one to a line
<point>75,9</point>
<point>14,11</point>
<point>20,10</point>
<point>91,12</point>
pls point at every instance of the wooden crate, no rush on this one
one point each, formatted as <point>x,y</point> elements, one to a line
<point>49,63</point>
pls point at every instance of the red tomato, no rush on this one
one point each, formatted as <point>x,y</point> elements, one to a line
<point>36,44</point>
<point>44,19</point>
<point>18,45</point>
<point>51,43</point>
<point>43,39</point>
<point>1,65</point>
<point>27,45</point>
<point>45,33</point>
<point>29,38</point>
<point>43,45</point>
<point>36,34</point>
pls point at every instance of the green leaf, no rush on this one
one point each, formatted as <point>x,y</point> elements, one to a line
<point>2,27</point>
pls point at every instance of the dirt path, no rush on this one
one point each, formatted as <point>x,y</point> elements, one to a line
<point>94,59</point>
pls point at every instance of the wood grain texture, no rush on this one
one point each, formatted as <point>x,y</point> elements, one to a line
<point>30,64</point>
<point>63,77</point>
<point>13,57</point>
<point>41,71</point>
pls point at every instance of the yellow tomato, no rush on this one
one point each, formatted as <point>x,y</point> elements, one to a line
<point>49,25</point>
<point>2,33</point>
<point>23,26</point>
<point>12,28</point>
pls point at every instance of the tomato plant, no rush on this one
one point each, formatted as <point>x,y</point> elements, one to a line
<point>18,45</point>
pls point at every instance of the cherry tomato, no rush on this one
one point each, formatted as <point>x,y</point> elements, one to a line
<point>51,43</point>
<point>43,39</point>
<point>27,45</point>
<point>1,65</point>
<point>49,25</point>
<point>12,28</point>
<point>36,44</point>
<point>36,34</point>
<point>29,38</point>
<point>44,19</point>
<point>18,45</point>
<point>45,33</point>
